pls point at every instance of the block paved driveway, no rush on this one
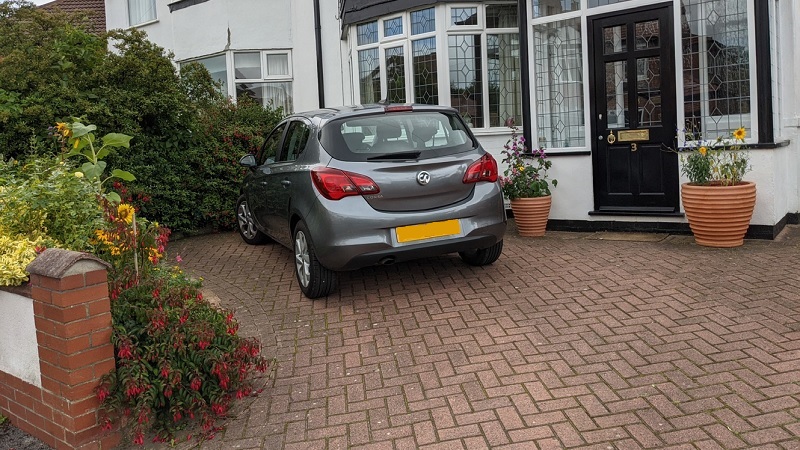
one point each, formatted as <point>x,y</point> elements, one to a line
<point>568,341</point>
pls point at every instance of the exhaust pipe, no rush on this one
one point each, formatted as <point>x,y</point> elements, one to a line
<point>387,261</point>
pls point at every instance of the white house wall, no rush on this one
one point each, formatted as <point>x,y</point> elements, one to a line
<point>19,351</point>
<point>216,26</point>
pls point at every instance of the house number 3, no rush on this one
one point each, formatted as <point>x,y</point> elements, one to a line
<point>634,147</point>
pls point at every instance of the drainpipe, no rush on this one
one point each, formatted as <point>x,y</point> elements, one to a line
<point>525,75</point>
<point>318,39</point>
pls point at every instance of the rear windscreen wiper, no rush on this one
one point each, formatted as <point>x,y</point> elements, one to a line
<point>398,155</point>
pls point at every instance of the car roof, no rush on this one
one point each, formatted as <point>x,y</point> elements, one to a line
<point>337,112</point>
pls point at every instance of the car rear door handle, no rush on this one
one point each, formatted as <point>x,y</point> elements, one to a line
<point>286,183</point>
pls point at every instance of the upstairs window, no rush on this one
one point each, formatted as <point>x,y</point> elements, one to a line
<point>141,11</point>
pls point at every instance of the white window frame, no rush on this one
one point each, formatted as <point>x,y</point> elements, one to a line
<point>232,81</point>
<point>154,7</point>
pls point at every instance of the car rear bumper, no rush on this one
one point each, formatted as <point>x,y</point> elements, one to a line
<point>364,237</point>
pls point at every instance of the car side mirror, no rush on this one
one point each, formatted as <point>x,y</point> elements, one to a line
<point>248,160</point>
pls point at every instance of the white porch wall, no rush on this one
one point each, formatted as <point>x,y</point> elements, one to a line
<point>19,349</point>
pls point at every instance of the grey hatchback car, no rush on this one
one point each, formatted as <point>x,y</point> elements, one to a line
<point>350,187</point>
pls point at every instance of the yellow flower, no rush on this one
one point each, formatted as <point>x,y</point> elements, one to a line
<point>125,212</point>
<point>77,142</point>
<point>79,174</point>
<point>63,128</point>
<point>521,168</point>
<point>703,150</point>
<point>740,134</point>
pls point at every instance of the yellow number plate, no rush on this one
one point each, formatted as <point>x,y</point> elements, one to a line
<point>428,230</point>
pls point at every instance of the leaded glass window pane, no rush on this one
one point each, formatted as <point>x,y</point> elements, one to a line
<point>504,82</point>
<point>501,16</point>
<point>559,84</point>
<point>426,89</point>
<point>716,63</point>
<point>393,27</point>
<point>369,75</point>
<point>543,8</point>
<point>395,75</point>
<point>464,16</point>
<point>423,21</point>
<point>367,33</point>
<point>247,66</point>
<point>466,88</point>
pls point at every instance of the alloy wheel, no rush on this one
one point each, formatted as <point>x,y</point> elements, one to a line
<point>302,258</point>
<point>245,219</point>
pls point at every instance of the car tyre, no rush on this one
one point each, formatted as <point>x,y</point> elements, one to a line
<point>314,279</point>
<point>247,226</point>
<point>482,256</point>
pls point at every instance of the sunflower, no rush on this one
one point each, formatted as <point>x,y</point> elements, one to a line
<point>125,212</point>
<point>63,128</point>
<point>740,134</point>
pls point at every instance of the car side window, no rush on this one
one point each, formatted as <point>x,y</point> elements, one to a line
<point>270,147</point>
<point>296,140</point>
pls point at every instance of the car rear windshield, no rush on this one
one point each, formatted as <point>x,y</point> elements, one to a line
<point>415,134</point>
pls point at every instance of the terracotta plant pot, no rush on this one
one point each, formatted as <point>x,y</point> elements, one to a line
<point>719,215</point>
<point>531,214</point>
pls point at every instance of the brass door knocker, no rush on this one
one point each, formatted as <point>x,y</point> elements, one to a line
<point>611,138</point>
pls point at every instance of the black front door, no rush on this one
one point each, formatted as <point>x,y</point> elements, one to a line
<point>633,114</point>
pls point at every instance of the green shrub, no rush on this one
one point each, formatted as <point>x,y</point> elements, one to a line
<point>180,360</point>
<point>43,198</point>
<point>189,138</point>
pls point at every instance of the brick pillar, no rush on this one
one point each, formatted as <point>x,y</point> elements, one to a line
<point>72,313</point>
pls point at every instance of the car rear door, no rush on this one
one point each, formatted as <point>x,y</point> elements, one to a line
<point>260,200</point>
<point>284,180</point>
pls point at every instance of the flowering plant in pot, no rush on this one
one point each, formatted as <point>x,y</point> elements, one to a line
<point>526,184</point>
<point>717,201</point>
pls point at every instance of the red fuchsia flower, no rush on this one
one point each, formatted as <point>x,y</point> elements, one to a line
<point>196,383</point>
<point>177,416</point>
<point>233,329</point>
<point>183,319</point>
<point>133,390</point>
<point>139,439</point>
<point>168,392</point>
<point>218,408</point>
<point>203,344</point>
<point>240,394</point>
<point>39,249</point>
<point>156,293</point>
<point>178,258</point>
<point>102,393</point>
<point>106,426</point>
<point>165,371</point>
<point>229,317</point>
<point>125,351</point>
<point>199,295</point>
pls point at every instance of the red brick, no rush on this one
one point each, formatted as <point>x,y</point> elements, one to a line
<point>96,277</point>
<point>78,296</point>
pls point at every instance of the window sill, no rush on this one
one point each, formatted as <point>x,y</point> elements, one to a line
<point>143,24</point>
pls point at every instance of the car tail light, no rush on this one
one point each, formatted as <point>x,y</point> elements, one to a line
<point>336,184</point>
<point>484,169</point>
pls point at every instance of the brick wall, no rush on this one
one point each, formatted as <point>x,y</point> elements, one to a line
<point>73,330</point>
